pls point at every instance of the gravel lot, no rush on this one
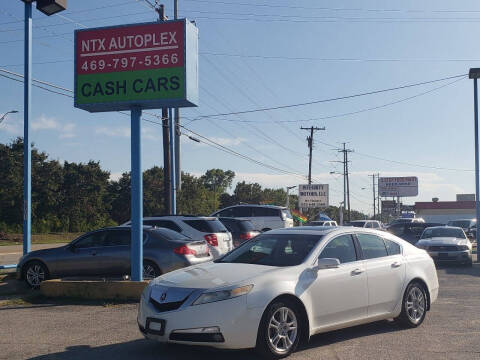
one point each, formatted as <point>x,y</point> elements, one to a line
<point>54,331</point>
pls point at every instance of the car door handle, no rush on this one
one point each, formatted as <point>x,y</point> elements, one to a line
<point>356,272</point>
<point>396,264</point>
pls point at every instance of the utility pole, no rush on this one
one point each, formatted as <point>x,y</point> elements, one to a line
<point>310,146</point>
<point>378,197</point>
<point>287,203</point>
<point>374,198</point>
<point>346,182</point>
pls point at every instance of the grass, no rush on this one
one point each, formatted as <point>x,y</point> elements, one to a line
<point>50,238</point>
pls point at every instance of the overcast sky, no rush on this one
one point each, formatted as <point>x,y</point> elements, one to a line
<point>256,54</point>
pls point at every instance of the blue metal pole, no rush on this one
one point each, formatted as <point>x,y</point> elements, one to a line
<point>173,192</point>
<point>27,154</point>
<point>136,253</point>
<point>477,186</point>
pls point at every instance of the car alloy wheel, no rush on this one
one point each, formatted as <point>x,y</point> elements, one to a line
<point>149,271</point>
<point>35,274</point>
<point>282,330</point>
<point>414,306</point>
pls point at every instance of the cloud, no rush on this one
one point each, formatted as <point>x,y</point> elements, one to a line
<point>114,176</point>
<point>219,140</point>
<point>11,128</point>
<point>124,131</point>
<point>66,131</point>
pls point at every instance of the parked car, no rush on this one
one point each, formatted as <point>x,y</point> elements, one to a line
<point>447,244</point>
<point>107,252</point>
<point>263,217</point>
<point>322,223</point>
<point>411,231</point>
<point>468,225</point>
<point>368,224</point>
<point>286,285</point>
<point>241,229</point>
<point>209,229</point>
<point>407,221</point>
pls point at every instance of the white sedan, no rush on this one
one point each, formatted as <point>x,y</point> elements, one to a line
<point>286,285</point>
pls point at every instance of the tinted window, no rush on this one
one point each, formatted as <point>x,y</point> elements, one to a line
<point>341,248</point>
<point>443,232</point>
<point>397,229</point>
<point>274,250</point>
<point>242,211</point>
<point>163,224</point>
<point>93,240</point>
<point>234,225</point>
<point>415,228</point>
<point>265,211</point>
<point>460,223</point>
<point>372,246</point>
<point>226,213</point>
<point>392,247</point>
<point>357,223</point>
<point>167,234</point>
<point>117,238</point>
<point>206,226</point>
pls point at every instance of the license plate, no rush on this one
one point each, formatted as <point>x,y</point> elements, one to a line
<point>155,326</point>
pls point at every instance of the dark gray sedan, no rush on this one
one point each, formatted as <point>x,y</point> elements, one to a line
<point>107,252</point>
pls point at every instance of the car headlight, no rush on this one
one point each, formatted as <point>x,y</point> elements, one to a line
<point>221,295</point>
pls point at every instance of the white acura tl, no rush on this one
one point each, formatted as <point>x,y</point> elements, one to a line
<point>286,285</point>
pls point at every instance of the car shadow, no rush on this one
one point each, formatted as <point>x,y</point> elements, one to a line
<point>145,349</point>
<point>456,269</point>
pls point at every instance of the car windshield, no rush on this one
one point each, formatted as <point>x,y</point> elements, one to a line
<point>273,250</point>
<point>443,232</point>
<point>356,223</point>
<point>460,223</point>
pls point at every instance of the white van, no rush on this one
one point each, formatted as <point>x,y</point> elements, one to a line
<point>263,217</point>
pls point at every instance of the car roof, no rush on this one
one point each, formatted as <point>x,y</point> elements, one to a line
<point>179,217</point>
<point>256,205</point>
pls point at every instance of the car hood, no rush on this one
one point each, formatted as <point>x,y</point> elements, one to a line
<point>443,241</point>
<point>212,275</point>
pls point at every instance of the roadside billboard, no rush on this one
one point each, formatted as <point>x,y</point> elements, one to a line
<point>398,186</point>
<point>312,196</point>
<point>149,65</point>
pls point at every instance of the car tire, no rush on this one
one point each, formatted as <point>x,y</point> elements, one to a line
<point>280,330</point>
<point>34,272</point>
<point>414,305</point>
<point>150,270</point>
<point>469,263</point>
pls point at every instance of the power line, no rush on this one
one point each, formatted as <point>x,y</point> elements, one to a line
<point>332,99</point>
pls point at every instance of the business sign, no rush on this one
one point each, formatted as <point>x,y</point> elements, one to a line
<point>150,65</point>
<point>398,186</point>
<point>312,196</point>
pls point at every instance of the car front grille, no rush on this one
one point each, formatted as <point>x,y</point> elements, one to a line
<point>443,248</point>
<point>163,307</point>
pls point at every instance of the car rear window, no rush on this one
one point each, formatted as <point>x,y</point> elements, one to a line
<point>206,226</point>
<point>265,211</point>
<point>235,225</point>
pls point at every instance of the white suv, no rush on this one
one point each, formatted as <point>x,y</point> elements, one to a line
<point>263,217</point>
<point>210,229</point>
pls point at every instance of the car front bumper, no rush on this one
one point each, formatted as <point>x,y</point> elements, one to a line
<point>451,256</point>
<point>227,324</point>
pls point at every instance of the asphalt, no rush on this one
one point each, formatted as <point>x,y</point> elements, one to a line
<point>9,254</point>
<point>52,331</point>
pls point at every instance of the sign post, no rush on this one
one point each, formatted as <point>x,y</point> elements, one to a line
<point>135,67</point>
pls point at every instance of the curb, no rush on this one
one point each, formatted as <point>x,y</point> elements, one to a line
<point>93,290</point>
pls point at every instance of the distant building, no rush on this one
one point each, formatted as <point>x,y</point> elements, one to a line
<point>465,197</point>
<point>443,211</point>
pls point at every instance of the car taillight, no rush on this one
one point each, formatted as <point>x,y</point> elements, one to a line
<point>184,250</point>
<point>211,239</point>
<point>246,236</point>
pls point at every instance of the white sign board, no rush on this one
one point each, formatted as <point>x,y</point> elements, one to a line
<point>312,196</point>
<point>398,186</point>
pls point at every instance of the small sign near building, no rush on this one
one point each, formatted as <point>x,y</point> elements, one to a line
<point>312,196</point>
<point>398,186</point>
<point>147,65</point>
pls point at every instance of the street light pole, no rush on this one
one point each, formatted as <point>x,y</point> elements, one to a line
<point>475,74</point>
<point>5,115</point>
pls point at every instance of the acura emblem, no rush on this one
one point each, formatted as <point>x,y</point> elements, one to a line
<point>163,297</point>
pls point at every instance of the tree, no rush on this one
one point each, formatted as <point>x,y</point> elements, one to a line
<point>248,193</point>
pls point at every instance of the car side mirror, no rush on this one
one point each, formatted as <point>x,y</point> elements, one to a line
<point>327,263</point>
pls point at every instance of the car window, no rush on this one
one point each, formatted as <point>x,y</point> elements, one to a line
<point>163,224</point>
<point>356,223</point>
<point>117,238</point>
<point>341,248</point>
<point>230,224</point>
<point>226,213</point>
<point>368,225</point>
<point>206,226</point>
<point>167,234</point>
<point>375,225</point>
<point>372,246</point>
<point>273,250</point>
<point>95,239</point>
<point>416,228</point>
<point>265,211</point>
<point>443,232</point>
<point>242,211</point>
<point>397,229</point>
<point>392,247</point>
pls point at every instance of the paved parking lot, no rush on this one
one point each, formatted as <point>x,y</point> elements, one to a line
<point>53,331</point>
